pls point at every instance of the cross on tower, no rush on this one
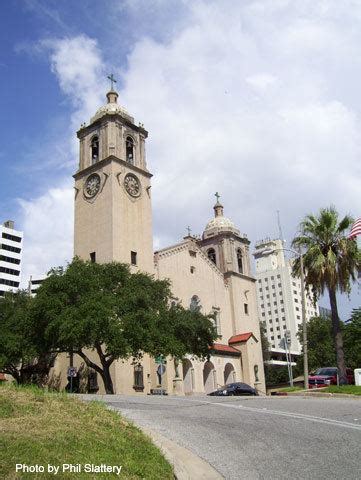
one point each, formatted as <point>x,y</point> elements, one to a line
<point>112,80</point>
<point>189,230</point>
<point>217,195</point>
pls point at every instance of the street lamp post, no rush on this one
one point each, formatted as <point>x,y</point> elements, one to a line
<point>303,303</point>
<point>304,326</point>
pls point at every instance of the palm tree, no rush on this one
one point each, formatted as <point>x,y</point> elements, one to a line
<point>331,261</point>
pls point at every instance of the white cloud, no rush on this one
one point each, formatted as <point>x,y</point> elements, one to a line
<point>258,100</point>
<point>48,219</point>
<point>48,226</point>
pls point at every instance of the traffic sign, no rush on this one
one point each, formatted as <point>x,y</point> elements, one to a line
<point>160,359</point>
<point>72,372</point>
<point>161,369</point>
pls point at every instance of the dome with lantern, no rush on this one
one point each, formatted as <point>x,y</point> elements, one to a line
<point>111,108</point>
<point>220,223</point>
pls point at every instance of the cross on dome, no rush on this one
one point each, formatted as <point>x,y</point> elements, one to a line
<point>112,81</point>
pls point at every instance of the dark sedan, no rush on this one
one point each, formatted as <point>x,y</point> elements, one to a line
<point>235,389</point>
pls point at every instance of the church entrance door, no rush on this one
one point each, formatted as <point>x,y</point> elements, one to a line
<point>188,380</point>
<point>209,377</point>
<point>229,374</point>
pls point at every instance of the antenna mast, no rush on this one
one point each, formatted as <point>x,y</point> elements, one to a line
<point>280,233</point>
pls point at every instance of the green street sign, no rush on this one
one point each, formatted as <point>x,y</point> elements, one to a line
<point>160,359</point>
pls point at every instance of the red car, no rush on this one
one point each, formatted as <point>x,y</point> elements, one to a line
<point>326,376</point>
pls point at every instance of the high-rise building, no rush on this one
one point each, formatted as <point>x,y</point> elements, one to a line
<point>11,245</point>
<point>279,297</point>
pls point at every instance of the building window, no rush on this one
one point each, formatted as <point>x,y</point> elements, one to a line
<point>239,260</point>
<point>133,258</point>
<point>277,320</point>
<point>211,253</point>
<point>129,147</point>
<point>272,338</point>
<point>9,259</point>
<point>11,237</point>
<point>262,306</point>
<point>10,248</point>
<point>268,304</point>
<point>10,271</point>
<point>296,300</point>
<point>138,378</point>
<point>93,257</point>
<point>269,312</point>
<point>94,150</point>
<point>193,269</point>
<point>274,303</point>
<point>263,314</point>
<point>10,283</point>
<point>271,329</point>
<point>92,381</point>
<point>280,284</point>
<point>246,308</point>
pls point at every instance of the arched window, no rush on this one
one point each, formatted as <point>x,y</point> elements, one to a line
<point>94,150</point>
<point>195,305</point>
<point>138,378</point>
<point>129,150</point>
<point>240,260</point>
<point>212,255</point>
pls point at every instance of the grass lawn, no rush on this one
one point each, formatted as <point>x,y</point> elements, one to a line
<point>37,427</point>
<point>290,389</point>
<point>350,389</point>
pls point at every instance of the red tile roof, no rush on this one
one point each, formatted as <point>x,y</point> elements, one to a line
<point>219,347</point>
<point>242,337</point>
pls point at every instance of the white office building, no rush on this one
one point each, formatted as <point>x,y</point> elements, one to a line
<point>11,246</point>
<point>279,298</point>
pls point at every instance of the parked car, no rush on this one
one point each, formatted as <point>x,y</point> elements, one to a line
<point>323,377</point>
<point>237,388</point>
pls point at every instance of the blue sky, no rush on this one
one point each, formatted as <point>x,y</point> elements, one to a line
<point>259,100</point>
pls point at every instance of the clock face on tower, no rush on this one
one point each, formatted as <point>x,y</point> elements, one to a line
<point>132,184</point>
<point>92,185</point>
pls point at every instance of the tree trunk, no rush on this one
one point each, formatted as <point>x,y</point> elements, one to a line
<point>107,379</point>
<point>337,338</point>
<point>103,372</point>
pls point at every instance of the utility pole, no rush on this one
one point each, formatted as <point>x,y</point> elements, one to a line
<point>304,326</point>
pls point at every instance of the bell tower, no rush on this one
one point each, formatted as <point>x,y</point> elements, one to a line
<point>113,215</point>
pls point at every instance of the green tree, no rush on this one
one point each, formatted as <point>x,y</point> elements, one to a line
<point>23,352</point>
<point>352,339</point>
<point>331,262</point>
<point>105,309</point>
<point>264,342</point>
<point>321,350</point>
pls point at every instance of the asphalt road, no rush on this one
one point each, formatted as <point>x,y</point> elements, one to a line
<point>258,438</point>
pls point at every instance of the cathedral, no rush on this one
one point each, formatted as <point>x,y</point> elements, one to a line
<point>113,222</point>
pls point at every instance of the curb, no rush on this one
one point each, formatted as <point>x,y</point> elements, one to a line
<point>323,395</point>
<point>186,464</point>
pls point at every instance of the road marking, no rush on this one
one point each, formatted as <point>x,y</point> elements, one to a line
<point>300,416</point>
